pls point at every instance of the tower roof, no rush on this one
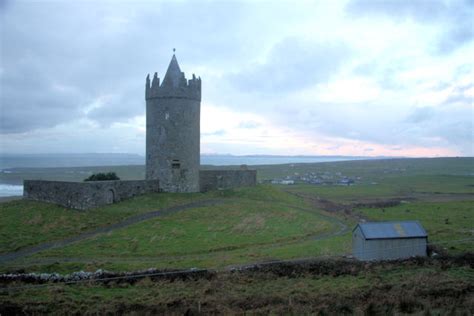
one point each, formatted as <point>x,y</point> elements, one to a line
<point>174,84</point>
<point>173,76</point>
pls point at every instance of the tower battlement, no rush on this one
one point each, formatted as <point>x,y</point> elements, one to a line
<point>174,85</point>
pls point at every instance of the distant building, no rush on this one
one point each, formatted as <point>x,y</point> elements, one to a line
<point>286,182</point>
<point>389,240</point>
<point>346,181</point>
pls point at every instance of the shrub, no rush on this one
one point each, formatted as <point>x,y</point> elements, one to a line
<point>102,177</point>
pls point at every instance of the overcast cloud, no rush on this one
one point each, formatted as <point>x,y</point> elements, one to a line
<point>314,77</point>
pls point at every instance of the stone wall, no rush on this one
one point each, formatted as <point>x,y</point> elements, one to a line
<point>226,179</point>
<point>173,143</point>
<point>86,195</point>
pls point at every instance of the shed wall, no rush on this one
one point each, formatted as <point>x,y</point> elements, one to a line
<point>386,249</point>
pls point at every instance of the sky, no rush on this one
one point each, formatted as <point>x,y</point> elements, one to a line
<point>356,77</point>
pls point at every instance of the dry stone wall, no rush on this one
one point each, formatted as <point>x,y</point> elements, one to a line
<point>226,179</point>
<point>86,195</point>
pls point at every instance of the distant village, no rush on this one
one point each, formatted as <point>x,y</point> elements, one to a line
<point>316,178</point>
<point>326,178</point>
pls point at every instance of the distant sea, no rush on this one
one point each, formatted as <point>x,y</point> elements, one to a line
<point>89,160</point>
<point>10,190</point>
<point>226,160</point>
<point>9,161</point>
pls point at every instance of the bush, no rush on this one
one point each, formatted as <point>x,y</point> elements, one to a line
<point>102,177</point>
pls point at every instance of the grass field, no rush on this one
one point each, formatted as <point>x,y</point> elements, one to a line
<point>421,288</point>
<point>25,223</point>
<point>393,187</point>
<point>251,224</point>
<point>248,225</point>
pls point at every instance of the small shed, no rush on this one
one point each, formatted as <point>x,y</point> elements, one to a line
<point>389,240</point>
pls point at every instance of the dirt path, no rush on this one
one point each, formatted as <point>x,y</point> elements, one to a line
<point>102,230</point>
<point>327,205</point>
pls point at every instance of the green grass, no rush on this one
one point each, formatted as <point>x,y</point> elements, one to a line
<point>306,248</point>
<point>346,193</point>
<point>236,224</point>
<point>25,223</point>
<point>252,224</point>
<point>240,230</point>
<point>393,187</point>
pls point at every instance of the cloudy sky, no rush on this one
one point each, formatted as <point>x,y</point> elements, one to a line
<point>357,77</point>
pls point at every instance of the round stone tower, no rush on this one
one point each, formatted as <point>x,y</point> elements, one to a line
<point>173,112</point>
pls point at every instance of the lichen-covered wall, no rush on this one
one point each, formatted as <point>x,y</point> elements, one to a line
<point>226,179</point>
<point>86,195</point>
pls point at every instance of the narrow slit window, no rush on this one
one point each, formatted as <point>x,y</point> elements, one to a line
<point>175,164</point>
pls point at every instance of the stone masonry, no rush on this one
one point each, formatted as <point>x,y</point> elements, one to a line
<point>86,195</point>
<point>226,179</point>
<point>173,130</point>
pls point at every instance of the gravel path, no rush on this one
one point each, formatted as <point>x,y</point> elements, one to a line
<point>6,257</point>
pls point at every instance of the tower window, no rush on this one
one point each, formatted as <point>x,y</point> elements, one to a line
<point>175,164</point>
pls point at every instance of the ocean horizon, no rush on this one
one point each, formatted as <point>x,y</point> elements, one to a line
<point>8,161</point>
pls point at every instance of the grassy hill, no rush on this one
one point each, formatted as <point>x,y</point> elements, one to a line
<point>248,224</point>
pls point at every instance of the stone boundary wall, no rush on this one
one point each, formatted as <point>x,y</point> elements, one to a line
<point>86,195</point>
<point>226,179</point>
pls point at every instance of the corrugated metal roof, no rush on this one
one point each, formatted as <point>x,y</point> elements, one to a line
<point>384,230</point>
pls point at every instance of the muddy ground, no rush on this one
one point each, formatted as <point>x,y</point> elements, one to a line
<point>349,208</point>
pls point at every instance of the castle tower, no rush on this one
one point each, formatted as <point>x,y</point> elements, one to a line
<point>173,112</point>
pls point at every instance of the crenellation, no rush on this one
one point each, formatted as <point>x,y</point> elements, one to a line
<point>147,87</point>
<point>156,81</point>
<point>186,89</point>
